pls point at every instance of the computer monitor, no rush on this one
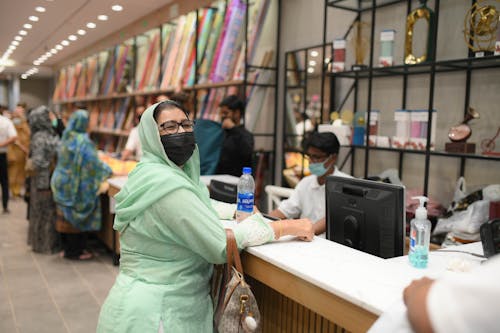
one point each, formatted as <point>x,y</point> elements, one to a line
<point>366,215</point>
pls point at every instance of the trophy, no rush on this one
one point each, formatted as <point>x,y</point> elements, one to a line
<point>460,133</point>
<point>360,41</point>
<point>488,145</point>
<point>421,13</point>
<point>480,27</point>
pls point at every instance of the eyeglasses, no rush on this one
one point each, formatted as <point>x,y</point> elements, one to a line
<point>316,158</point>
<point>172,127</point>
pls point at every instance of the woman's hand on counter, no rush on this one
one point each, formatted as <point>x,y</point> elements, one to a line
<point>301,228</point>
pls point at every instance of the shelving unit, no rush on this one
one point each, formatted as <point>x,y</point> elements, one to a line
<point>428,70</point>
<point>252,78</point>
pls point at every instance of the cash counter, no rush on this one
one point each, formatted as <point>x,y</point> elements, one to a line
<point>322,286</point>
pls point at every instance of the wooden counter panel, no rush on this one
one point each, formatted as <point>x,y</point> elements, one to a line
<point>306,308</point>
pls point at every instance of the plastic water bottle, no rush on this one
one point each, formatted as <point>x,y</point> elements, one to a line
<point>420,234</point>
<point>245,196</point>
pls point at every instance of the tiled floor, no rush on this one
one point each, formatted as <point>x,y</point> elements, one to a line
<point>46,293</point>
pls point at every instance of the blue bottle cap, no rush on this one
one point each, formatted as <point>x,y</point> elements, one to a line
<point>247,170</point>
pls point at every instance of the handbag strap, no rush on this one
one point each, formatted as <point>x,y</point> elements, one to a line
<point>233,255</point>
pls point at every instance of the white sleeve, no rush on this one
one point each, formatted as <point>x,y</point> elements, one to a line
<point>133,139</point>
<point>292,207</point>
<point>11,130</point>
<point>467,302</point>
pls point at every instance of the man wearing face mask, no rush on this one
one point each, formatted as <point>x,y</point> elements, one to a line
<point>237,147</point>
<point>308,197</point>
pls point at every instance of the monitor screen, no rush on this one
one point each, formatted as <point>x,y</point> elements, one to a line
<point>366,215</point>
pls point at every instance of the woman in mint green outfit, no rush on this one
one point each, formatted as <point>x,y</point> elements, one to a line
<point>170,235</point>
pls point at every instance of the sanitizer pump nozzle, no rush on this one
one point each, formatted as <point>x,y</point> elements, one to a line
<point>421,212</point>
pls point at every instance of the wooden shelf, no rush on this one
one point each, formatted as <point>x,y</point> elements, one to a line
<point>209,85</point>
<point>109,131</point>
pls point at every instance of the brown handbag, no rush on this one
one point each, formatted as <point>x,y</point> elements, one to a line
<point>235,307</point>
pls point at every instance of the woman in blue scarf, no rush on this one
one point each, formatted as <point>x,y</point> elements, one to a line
<point>76,181</point>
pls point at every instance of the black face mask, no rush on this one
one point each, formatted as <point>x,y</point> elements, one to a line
<point>179,147</point>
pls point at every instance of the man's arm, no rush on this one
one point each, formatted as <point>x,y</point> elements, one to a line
<point>8,141</point>
<point>415,298</point>
<point>277,213</point>
<point>320,226</point>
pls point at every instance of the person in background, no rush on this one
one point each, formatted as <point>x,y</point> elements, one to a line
<point>308,197</point>
<point>77,181</point>
<point>17,152</point>
<point>8,135</point>
<point>237,147</point>
<point>170,235</point>
<point>133,146</point>
<point>185,100</point>
<point>161,98</point>
<point>303,126</point>
<point>57,122</point>
<point>42,234</point>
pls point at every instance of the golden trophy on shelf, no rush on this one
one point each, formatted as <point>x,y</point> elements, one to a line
<point>480,27</point>
<point>421,13</point>
<point>360,42</point>
<point>460,133</point>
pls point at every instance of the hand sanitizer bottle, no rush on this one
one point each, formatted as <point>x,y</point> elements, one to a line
<point>420,234</point>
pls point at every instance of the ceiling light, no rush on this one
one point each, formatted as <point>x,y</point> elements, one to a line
<point>4,61</point>
<point>27,26</point>
<point>72,37</point>
<point>65,42</point>
<point>40,9</point>
<point>23,32</point>
<point>36,62</point>
<point>18,38</point>
<point>15,42</point>
<point>48,54</point>
<point>91,25</point>
<point>33,18</point>
<point>327,60</point>
<point>53,51</point>
<point>2,68</point>
<point>59,47</point>
<point>12,47</point>
<point>310,70</point>
<point>314,53</point>
<point>117,8</point>
<point>81,32</point>
<point>312,63</point>
<point>102,17</point>
<point>24,76</point>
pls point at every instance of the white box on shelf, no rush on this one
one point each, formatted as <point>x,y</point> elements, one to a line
<point>418,129</point>
<point>343,132</point>
<point>402,129</point>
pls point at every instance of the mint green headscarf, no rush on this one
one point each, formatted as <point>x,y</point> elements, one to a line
<point>155,176</point>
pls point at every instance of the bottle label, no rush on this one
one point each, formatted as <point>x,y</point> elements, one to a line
<point>413,239</point>
<point>245,202</point>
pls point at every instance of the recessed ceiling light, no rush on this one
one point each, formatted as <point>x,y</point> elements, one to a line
<point>314,53</point>
<point>40,9</point>
<point>36,62</point>
<point>91,25</point>
<point>15,42</point>
<point>48,54</point>
<point>327,60</point>
<point>310,70</point>
<point>18,38</point>
<point>59,47</point>
<point>23,32</point>
<point>81,32</point>
<point>65,42</point>
<point>72,37</point>
<point>24,76</point>
<point>12,47</point>
<point>27,26</point>
<point>312,63</point>
<point>102,17</point>
<point>117,8</point>
<point>53,51</point>
<point>33,18</point>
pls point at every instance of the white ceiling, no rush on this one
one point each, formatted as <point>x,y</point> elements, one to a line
<point>61,19</point>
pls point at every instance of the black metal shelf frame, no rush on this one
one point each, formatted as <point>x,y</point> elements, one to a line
<point>466,65</point>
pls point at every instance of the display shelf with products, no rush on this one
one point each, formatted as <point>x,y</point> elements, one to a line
<point>431,72</point>
<point>229,47</point>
